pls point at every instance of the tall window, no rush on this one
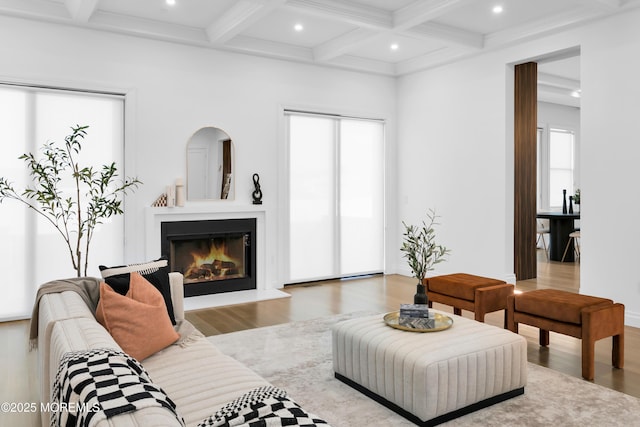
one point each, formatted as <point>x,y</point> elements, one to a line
<point>336,196</point>
<point>557,166</point>
<point>31,251</point>
<point>561,165</point>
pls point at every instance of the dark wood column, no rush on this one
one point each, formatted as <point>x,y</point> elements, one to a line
<point>226,168</point>
<point>525,125</point>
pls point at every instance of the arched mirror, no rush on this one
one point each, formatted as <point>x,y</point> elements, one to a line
<point>209,165</point>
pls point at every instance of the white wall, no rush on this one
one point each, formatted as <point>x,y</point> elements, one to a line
<point>174,90</point>
<point>558,115</point>
<point>455,143</point>
<point>451,134</point>
<point>610,153</point>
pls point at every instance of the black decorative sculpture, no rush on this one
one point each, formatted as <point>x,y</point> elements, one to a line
<point>257,193</point>
<point>564,201</point>
<point>570,204</point>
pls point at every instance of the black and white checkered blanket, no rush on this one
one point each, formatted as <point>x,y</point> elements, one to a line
<point>93,385</point>
<point>263,407</point>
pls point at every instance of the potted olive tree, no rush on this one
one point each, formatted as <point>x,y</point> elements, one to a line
<point>422,252</point>
<point>96,194</point>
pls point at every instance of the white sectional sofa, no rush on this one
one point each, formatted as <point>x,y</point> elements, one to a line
<point>195,375</point>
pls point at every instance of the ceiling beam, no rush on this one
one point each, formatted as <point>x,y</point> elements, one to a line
<point>344,44</point>
<point>81,10</point>
<point>422,11</point>
<point>239,17</point>
<point>447,33</point>
<point>345,11</point>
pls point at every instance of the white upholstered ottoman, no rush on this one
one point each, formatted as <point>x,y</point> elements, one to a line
<point>430,377</point>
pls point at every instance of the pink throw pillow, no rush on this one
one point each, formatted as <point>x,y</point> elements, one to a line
<point>137,321</point>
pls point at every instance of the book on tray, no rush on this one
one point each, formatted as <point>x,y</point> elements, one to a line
<point>416,316</point>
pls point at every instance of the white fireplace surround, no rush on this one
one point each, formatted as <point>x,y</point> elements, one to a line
<point>154,216</point>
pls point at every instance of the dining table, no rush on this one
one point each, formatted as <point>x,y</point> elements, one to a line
<point>560,226</point>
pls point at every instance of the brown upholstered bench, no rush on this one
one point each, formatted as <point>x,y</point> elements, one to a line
<point>581,316</point>
<point>463,291</point>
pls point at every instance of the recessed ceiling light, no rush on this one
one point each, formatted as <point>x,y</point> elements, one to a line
<point>298,27</point>
<point>497,9</point>
<point>394,46</point>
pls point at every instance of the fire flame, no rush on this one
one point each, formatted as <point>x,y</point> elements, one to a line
<point>217,264</point>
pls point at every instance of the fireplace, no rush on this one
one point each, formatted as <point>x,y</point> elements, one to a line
<point>214,256</point>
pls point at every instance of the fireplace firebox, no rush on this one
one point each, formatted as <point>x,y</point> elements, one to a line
<point>214,256</point>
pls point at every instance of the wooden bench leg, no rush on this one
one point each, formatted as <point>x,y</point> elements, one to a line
<point>617,352</point>
<point>509,315</point>
<point>588,355</point>
<point>600,322</point>
<point>544,337</point>
<point>479,316</point>
<point>588,359</point>
<point>457,311</point>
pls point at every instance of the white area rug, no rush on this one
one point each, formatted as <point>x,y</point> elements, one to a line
<point>297,357</point>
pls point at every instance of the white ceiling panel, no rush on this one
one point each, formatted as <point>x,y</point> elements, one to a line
<point>407,48</point>
<point>477,15</point>
<point>278,26</point>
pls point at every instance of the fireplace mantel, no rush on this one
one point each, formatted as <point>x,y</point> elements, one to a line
<point>154,216</point>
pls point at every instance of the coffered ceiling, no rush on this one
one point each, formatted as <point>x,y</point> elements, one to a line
<point>350,34</point>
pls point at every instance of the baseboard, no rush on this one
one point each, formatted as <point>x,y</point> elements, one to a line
<point>437,420</point>
<point>632,318</point>
<point>231,298</point>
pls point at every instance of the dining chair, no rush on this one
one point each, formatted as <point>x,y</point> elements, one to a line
<point>575,237</point>
<point>541,231</point>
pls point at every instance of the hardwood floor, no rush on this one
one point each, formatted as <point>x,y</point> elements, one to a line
<point>375,293</point>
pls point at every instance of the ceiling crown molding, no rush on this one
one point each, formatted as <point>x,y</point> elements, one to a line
<point>557,81</point>
<point>40,10</point>
<point>268,48</point>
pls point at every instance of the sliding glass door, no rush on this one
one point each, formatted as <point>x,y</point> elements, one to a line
<point>336,196</point>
